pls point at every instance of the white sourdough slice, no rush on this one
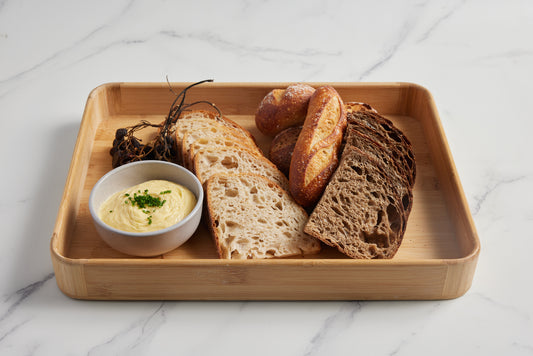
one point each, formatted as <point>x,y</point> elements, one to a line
<point>211,161</point>
<point>199,122</point>
<point>219,138</point>
<point>250,217</point>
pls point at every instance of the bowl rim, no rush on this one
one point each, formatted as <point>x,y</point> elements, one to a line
<point>192,213</point>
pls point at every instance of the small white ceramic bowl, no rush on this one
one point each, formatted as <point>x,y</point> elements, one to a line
<point>152,243</point>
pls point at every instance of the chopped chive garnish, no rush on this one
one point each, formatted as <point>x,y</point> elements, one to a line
<point>145,200</point>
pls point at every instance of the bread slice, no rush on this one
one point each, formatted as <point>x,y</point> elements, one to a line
<point>199,123</point>
<point>198,115</point>
<point>250,216</point>
<point>217,139</point>
<point>383,131</point>
<point>387,155</point>
<point>211,161</point>
<point>361,211</point>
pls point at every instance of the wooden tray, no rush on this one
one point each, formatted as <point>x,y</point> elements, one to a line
<point>436,260</point>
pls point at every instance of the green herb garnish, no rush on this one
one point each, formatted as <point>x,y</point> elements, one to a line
<point>144,201</point>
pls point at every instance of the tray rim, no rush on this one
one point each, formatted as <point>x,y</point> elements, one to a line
<point>58,258</point>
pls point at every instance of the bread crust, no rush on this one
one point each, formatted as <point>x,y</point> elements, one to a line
<point>283,143</point>
<point>316,153</point>
<point>283,108</point>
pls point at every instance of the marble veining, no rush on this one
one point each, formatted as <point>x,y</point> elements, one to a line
<point>134,337</point>
<point>443,16</point>
<point>248,49</point>
<point>389,52</point>
<point>340,320</point>
<point>476,59</point>
<point>14,300</point>
<point>479,200</point>
<point>65,51</point>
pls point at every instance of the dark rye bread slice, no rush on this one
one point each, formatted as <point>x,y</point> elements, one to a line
<point>361,211</point>
<point>384,155</point>
<point>384,132</point>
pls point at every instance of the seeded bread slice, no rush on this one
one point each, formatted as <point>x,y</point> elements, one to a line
<point>361,211</point>
<point>250,216</point>
<point>211,160</point>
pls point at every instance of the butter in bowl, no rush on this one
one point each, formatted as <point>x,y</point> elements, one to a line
<point>146,208</point>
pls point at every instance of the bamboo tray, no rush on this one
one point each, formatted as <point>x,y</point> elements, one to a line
<point>436,260</point>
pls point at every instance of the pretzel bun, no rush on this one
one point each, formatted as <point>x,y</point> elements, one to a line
<point>316,152</point>
<point>283,108</point>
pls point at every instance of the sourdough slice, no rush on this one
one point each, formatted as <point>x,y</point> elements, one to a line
<point>211,161</point>
<point>360,212</point>
<point>198,122</point>
<point>212,138</point>
<point>250,216</point>
<point>398,176</point>
<point>387,155</point>
<point>196,115</point>
<point>384,132</point>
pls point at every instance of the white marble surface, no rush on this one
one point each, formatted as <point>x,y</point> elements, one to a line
<point>476,57</point>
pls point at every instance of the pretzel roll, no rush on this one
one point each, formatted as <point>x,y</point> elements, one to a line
<point>316,153</point>
<point>283,108</point>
